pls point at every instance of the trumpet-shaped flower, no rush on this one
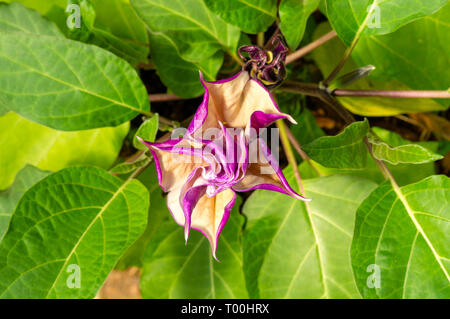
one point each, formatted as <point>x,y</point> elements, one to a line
<point>202,170</point>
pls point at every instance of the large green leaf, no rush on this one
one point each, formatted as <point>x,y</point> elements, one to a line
<point>67,85</point>
<point>16,17</point>
<point>391,147</point>
<point>40,6</point>
<point>297,251</point>
<point>404,234</point>
<point>293,15</point>
<point>125,35</point>
<point>126,25</point>
<point>251,16</point>
<point>417,61</point>
<point>197,32</point>
<point>175,270</point>
<point>9,198</point>
<point>375,106</point>
<point>345,150</point>
<point>180,76</point>
<point>352,18</point>
<point>25,142</point>
<point>79,218</point>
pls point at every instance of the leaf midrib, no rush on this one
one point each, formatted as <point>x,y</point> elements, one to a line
<point>99,215</point>
<point>73,86</point>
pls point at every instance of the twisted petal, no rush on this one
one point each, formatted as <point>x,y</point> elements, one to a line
<point>266,174</point>
<point>207,215</point>
<point>238,102</point>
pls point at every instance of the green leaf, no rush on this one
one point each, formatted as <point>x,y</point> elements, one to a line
<point>251,16</point>
<point>345,150</point>
<point>129,29</point>
<point>354,18</point>
<point>79,217</point>
<point>390,147</point>
<point>417,61</point>
<point>293,15</point>
<point>175,270</point>
<point>25,142</point>
<point>404,173</point>
<point>9,198</point>
<point>125,35</point>
<point>67,85</point>
<point>370,106</point>
<point>40,6</point>
<point>180,76</point>
<point>404,232</point>
<point>297,251</point>
<point>147,131</point>
<point>15,17</point>
<point>197,32</point>
<point>157,214</point>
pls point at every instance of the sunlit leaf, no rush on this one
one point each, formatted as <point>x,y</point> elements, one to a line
<point>77,220</point>
<point>25,142</point>
<point>297,251</point>
<point>404,234</point>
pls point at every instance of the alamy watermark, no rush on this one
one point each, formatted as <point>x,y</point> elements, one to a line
<point>374,280</point>
<point>74,279</point>
<point>74,19</point>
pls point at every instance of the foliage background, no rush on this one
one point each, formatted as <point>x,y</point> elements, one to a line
<point>72,100</point>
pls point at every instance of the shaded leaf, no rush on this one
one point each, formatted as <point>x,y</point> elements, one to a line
<point>373,106</point>
<point>391,147</point>
<point>196,32</point>
<point>180,76</point>
<point>417,61</point>
<point>345,150</point>
<point>251,16</point>
<point>16,17</point>
<point>404,232</point>
<point>351,18</point>
<point>147,131</point>
<point>98,219</point>
<point>25,142</point>
<point>297,251</point>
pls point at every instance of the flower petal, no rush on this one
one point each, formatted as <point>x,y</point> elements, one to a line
<point>175,160</point>
<point>266,175</point>
<point>211,214</point>
<point>233,101</point>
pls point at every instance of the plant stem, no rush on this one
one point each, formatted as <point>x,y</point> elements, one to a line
<point>394,94</point>
<point>310,47</point>
<point>163,97</point>
<point>289,154</point>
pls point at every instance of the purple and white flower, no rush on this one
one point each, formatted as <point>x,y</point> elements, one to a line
<point>202,173</point>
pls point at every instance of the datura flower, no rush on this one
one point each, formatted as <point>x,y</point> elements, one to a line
<point>202,170</point>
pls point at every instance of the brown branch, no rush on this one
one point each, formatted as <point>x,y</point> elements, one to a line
<point>310,47</point>
<point>394,94</point>
<point>163,97</point>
